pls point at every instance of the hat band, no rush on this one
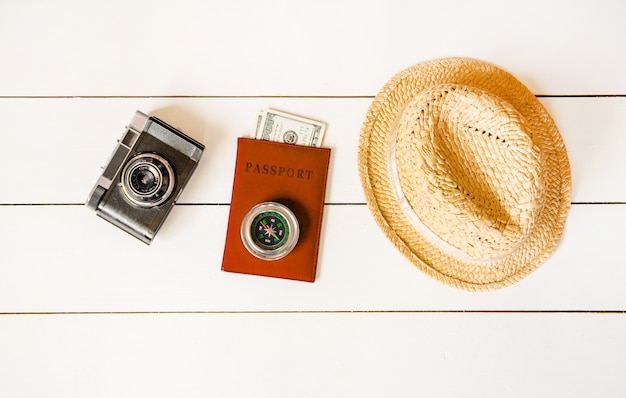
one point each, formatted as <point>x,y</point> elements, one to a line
<point>416,222</point>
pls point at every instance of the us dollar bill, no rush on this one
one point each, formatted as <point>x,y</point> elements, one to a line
<point>278,126</point>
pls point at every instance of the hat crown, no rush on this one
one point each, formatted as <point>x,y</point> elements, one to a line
<point>466,166</point>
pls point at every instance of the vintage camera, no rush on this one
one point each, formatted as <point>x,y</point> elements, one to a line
<point>146,173</point>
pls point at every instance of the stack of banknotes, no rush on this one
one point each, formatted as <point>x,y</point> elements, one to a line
<point>278,126</point>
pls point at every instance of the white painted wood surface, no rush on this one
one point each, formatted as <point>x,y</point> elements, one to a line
<point>85,310</point>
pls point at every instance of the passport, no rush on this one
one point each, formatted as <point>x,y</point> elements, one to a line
<point>293,175</point>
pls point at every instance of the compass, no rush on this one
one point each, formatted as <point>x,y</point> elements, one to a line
<point>270,231</point>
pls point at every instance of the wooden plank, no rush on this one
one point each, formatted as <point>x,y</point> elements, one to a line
<point>226,47</point>
<point>66,259</point>
<point>313,355</point>
<point>52,149</point>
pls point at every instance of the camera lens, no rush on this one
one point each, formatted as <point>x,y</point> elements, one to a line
<point>147,180</point>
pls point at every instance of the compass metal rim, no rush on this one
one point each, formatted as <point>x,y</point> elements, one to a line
<point>270,254</point>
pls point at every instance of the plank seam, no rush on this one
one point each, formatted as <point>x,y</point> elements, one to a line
<point>613,312</point>
<point>263,96</point>
<point>218,204</point>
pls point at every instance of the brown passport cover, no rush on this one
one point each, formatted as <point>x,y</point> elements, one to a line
<point>290,174</point>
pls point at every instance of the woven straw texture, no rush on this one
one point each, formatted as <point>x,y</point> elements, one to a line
<point>466,173</point>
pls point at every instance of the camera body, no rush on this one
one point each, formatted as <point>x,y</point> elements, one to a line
<point>144,177</point>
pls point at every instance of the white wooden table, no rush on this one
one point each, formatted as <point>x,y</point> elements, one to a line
<point>88,311</point>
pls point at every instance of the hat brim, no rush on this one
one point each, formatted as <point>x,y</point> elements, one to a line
<point>373,169</point>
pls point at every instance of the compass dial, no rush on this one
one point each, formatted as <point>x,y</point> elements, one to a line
<point>269,231</point>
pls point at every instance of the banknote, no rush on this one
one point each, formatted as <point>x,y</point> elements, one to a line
<point>279,126</point>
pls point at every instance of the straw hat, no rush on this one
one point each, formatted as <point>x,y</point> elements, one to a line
<point>466,172</point>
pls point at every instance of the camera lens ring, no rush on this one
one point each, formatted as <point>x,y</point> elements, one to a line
<point>147,180</point>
